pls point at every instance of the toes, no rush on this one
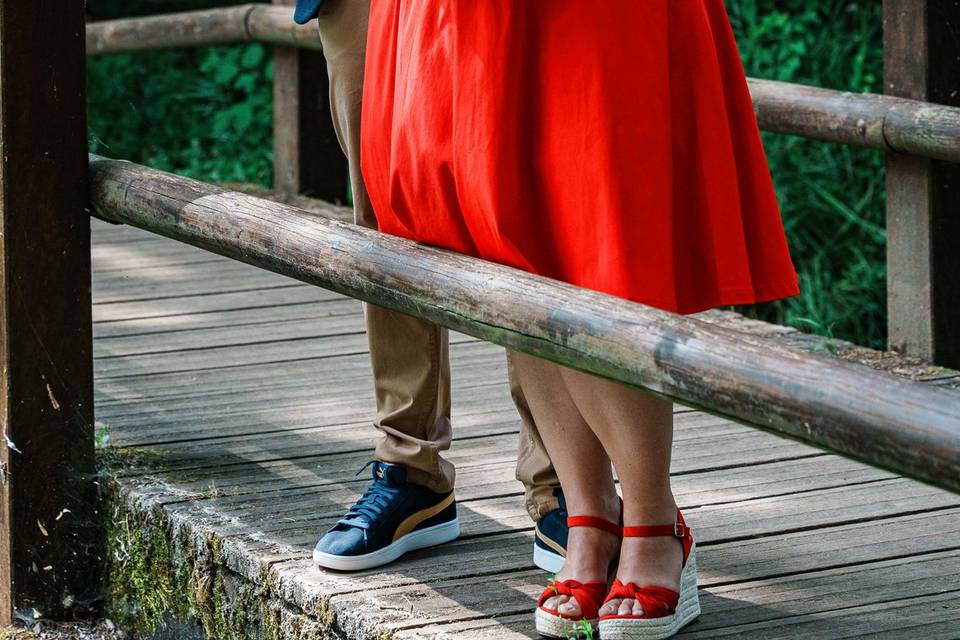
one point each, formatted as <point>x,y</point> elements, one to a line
<point>554,602</point>
<point>570,608</point>
<point>637,609</point>
<point>626,607</point>
<point>610,608</point>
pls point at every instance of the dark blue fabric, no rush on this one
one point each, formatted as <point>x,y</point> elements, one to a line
<point>306,10</point>
<point>553,525</point>
<point>371,522</point>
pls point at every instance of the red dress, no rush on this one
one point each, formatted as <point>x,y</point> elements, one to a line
<point>610,144</point>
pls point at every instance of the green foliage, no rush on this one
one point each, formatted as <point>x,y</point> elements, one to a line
<point>207,113</point>
<point>831,196</point>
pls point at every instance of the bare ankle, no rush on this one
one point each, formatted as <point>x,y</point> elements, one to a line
<point>650,511</point>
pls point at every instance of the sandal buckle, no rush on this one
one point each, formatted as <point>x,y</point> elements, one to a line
<point>679,530</point>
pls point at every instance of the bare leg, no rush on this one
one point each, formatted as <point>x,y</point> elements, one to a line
<point>583,468</point>
<point>636,429</point>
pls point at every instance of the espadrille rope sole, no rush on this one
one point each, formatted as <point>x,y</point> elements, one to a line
<point>551,626</point>
<point>688,608</point>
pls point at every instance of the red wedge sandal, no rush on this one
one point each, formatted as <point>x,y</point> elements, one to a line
<point>665,611</point>
<point>551,623</point>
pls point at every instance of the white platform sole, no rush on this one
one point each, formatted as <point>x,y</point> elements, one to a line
<point>551,626</point>
<point>437,534</point>
<point>549,561</point>
<point>688,608</point>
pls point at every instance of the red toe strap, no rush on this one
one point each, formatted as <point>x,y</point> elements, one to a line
<point>589,595</point>
<point>655,601</point>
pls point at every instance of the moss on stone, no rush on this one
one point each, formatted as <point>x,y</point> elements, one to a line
<point>141,584</point>
<point>110,459</point>
<point>157,570</point>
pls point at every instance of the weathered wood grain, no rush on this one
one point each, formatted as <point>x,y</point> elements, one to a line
<point>169,387</point>
<point>307,158</point>
<point>921,50</point>
<point>929,616</point>
<point>261,456</point>
<point>907,427</point>
<point>782,599</point>
<point>220,356</point>
<point>227,25</point>
<point>175,305</point>
<point>48,528</point>
<point>887,123</point>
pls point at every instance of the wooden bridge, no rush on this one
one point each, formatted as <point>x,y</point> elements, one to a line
<point>233,405</point>
<point>243,400</point>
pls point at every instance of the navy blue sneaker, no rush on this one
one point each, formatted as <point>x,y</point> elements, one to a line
<point>550,543</point>
<point>392,517</point>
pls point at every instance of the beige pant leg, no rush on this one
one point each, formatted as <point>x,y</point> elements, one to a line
<point>411,368</point>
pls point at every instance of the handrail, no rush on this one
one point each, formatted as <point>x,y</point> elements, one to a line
<point>907,427</point>
<point>860,119</point>
<point>868,120</point>
<point>230,25</point>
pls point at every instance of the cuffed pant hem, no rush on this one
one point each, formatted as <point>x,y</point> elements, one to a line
<point>540,501</point>
<point>439,484</point>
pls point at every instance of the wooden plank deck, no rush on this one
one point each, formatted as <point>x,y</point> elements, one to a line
<point>241,402</point>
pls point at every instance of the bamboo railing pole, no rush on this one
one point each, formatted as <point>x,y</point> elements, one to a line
<point>904,426</point>
<point>169,31</point>
<point>866,120</point>
<point>861,119</point>
<point>230,25</point>
<point>275,25</point>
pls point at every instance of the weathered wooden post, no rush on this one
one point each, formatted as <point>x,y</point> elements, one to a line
<point>47,521</point>
<point>306,155</point>
<point>922,61</point>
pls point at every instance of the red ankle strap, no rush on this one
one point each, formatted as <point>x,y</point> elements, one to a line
<point>678,529</point>
<point>596,523</point>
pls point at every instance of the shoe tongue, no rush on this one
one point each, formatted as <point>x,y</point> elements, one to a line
<point>393,475</point>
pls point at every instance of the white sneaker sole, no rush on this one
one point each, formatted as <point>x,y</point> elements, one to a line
<point>688,608</point>
<point>420,539</point>
<point>549,561</point>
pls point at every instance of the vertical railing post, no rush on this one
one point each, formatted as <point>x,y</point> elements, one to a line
<point>922,62</point>
<point>306,155</point>
<point>48,533</point>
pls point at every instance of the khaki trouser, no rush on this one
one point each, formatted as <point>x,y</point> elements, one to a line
<point>410,359</point>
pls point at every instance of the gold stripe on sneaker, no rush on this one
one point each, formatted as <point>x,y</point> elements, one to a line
<point>411,522</point>
<point>551,543</point>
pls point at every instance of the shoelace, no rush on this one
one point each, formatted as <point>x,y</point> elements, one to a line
<point>370,506</point>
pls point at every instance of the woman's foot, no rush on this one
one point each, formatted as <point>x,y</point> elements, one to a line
<point>646,561</point>
<point>656,560</point>
<point>591,552</point>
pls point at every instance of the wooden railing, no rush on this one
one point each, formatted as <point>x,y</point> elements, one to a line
<point>49,187</point>
<point>907,427</point>
<point>867,120</point>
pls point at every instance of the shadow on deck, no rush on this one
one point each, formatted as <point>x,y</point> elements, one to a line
<point>237,404</point>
